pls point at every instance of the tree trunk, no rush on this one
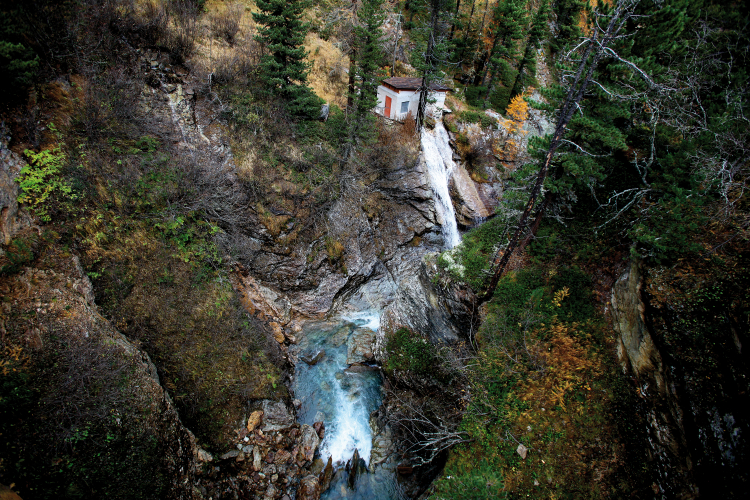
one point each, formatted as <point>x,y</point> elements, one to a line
<point>589,61</point>
<point>429,69</point>
<point>352,72</point>
<point>455,18</point>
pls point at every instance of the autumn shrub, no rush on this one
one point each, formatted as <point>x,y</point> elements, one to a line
<point>226,24</point>
<point>545,379</point>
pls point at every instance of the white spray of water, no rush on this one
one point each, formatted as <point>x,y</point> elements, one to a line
<point>439,159</point>
<point>350,428</point>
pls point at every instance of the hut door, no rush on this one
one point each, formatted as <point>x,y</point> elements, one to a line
<point>387,106</point>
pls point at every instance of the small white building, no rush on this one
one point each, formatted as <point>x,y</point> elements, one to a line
<point>398,96</point>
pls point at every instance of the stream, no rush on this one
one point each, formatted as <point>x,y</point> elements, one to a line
<point>341,391</point>
<point>343,397</point>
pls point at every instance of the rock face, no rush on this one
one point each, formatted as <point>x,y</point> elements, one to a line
<point>635,347</point>
<point>639,356</point>
<point>11,220</point>
<point>67,327</point>
<point>690,377</point>
<point>444,315</point>
<point>377,224</point>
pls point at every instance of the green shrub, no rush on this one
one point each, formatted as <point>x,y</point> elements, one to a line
<point>408,351</point>
<point>470,116</point>
<point>41,179</point>
<point>475,96</point>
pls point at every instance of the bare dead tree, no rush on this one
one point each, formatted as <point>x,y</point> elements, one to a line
<point>425,433</point>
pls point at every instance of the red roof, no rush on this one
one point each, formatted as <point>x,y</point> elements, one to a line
<point>403,83</point>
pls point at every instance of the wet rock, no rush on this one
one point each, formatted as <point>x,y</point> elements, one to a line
<point>317,466</point>
<point>356,466</point>
<point>358,368</point>
<point>359,348</point>
<point>444,313</point>
<point>320,429</point>
<point>326,476</point>
<point>314,359</point>
<point>308,488</point>
<point>254,420</point>
<point>309,442</point>
<point>276,416</point>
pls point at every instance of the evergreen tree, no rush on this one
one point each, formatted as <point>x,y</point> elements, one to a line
<point>527,66</point>
<point>363,97</point>
<point>510,20</point>
<point>18,62</point>
<point>282,31</point>
<point>568,15</point>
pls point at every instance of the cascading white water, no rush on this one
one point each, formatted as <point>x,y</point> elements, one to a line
<point>343,398</point>
<point>438,157</point>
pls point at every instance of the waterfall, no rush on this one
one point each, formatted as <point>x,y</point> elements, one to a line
<point>438,156</point>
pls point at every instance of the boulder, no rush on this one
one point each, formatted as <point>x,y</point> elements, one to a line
<point>282,457</point>
<point>276,416</point>
<point>320,428</point>
<point>278,333</point>
<point>230,454</point>
<point>326,475</point>
<point>359,346</point>
<point>313,360</point>
<point>309,442</point>
<point>308,488</point>
<point>356,466</point>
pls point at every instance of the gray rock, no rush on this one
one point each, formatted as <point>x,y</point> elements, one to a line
<point>12,220</point>
<point>313,360</point>
<point>443,313</point>
<point>230,454</point>
<point>359,348</point>
<point>276,416</point>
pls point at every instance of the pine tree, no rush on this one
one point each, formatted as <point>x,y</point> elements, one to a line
<point>363,96</point>
<point>527,65</point>
<point>568,14</point>
<point>282,32</point>
<point>510,20</point>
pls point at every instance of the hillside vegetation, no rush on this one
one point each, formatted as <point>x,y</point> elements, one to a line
<point>170,145</point>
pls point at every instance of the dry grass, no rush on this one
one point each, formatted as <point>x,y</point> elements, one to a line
<point>329,75</point>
